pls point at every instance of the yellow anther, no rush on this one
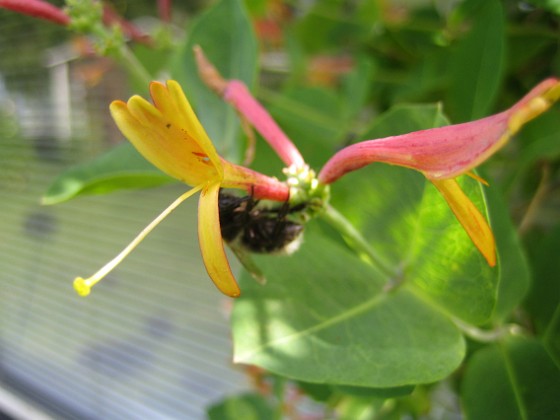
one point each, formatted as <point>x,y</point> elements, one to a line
<point>82,286</point>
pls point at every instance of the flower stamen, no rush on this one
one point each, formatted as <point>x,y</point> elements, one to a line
<point>83,286</point>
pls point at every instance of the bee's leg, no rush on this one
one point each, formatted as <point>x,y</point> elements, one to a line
<point>247,262</point>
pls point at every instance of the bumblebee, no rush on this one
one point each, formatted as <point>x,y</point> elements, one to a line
<point>258,229</point>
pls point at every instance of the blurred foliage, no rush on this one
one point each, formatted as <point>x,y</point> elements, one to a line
<point>326,328</point>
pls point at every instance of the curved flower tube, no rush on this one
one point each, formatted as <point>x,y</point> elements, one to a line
<point>444,153</point>
<point>170,136</point>
<point>37,8</point>
<point>236,93</point>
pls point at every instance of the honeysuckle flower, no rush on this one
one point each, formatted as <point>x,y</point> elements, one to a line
<point>170,136</point>
<point>444,153</point>
<point>37,8</point>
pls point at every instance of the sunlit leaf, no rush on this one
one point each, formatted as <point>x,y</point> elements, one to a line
<point>323,317</point>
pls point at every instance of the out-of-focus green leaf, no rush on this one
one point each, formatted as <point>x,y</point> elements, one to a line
<point>550,5</point>
<point>543,302</point>
<point>332,23</point>
<point>319,392</point>
<point>512,380</point>
<point>539,140</point>
<point>120,168</point>
<point>311,118</point>
<point>375,392</point>
<point>225,34</point>
<point>356,86</point>
<point>246,407</point>
<point>477,64</point>
<point>403,119</point>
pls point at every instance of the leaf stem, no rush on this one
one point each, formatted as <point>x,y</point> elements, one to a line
<point>488,336</point>
<point>127,58</point>
<point>356,240</point>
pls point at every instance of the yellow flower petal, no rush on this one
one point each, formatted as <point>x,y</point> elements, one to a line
<point>211,243</point>
<point>166,145</point>
<point>470,217</point>
<point>173,103</point>
<point>539,100</point>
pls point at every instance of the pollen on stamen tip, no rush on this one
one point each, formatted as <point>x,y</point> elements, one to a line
<point>82,286</point>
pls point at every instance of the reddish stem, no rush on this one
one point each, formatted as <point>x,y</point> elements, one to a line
<point>111,17</point>
<point>164,9</point>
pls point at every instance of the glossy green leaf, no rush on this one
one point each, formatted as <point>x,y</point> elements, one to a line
<point>414,228</point>
<point>120,168</point>
<point>512,380</point>
<point>477,63</point>
<point>514,275</point>
<point>246,407</point>
<point>442,262</point>
<point>225,34</point>
<point>324,317</point>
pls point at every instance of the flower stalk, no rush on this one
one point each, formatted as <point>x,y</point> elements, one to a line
<point>236,93</point>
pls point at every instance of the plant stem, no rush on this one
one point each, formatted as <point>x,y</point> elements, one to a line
<point>132,65</point>
<point>487,336</point>
<point>356,240</point>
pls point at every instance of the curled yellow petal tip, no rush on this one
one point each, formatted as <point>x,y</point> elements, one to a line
<point>82,286</point>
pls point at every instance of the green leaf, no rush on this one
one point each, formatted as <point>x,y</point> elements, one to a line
<point>225,34</point>
<point>327,316</point>
<point>477,64</point>
<point>324,317</point>
<point>384,393</point>
<point>312,119</point>
<point>512,380</point>
<point>542,302</point>
<point>120,168</point>
<point>330,23</point>
<point>246,407</point>
<point>514,276</point>
<point>550,5</point>
<point>415,228</point>
<point>442,262</point>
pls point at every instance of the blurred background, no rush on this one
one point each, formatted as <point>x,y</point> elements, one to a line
<point>155,342</point>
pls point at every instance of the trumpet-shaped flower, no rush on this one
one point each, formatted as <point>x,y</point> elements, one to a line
<point>169,135</point>
<point>444,153</point>
<point>37,8</point>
